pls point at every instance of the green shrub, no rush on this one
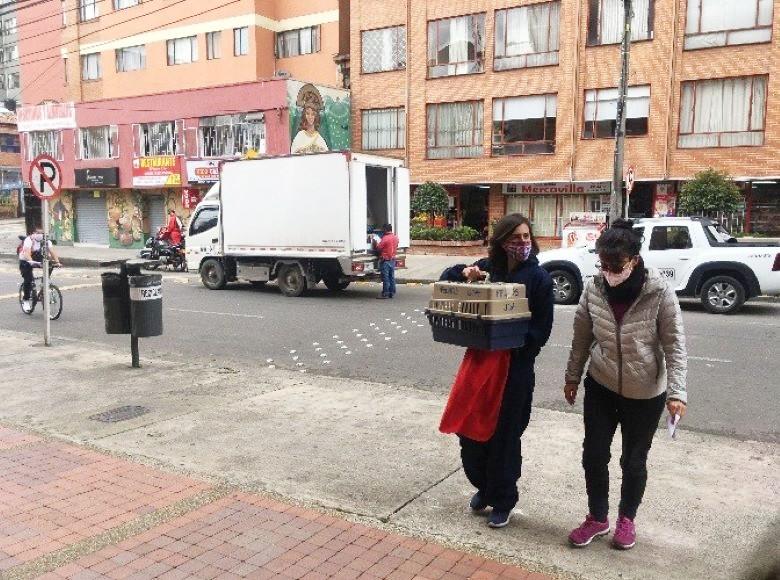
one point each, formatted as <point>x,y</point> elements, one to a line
<point>461,234</point>
<point>709,191</point>
<point>430,198</point>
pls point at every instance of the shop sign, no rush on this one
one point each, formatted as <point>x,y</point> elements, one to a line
<point>558,187</point>
<point>160,171</point>
<point>190,197</point>
<point>97,177</point>
<point>204,171</point>
<point>664,201</point>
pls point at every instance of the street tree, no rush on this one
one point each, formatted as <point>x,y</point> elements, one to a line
<point>710,191</point>
<point>431,199</point>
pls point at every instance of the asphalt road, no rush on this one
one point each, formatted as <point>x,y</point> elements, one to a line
<point>733,368</point>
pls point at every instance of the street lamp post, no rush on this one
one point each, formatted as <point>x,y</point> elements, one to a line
<point>616,199</point>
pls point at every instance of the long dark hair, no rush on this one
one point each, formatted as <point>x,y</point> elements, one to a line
<point>619,241</point>
<point>501,232</point>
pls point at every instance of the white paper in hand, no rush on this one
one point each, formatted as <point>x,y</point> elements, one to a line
<point>671,424</point>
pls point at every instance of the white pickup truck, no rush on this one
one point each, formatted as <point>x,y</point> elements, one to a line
<point>697,256</point>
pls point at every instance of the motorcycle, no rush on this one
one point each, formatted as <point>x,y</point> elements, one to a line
<point>161,252</point>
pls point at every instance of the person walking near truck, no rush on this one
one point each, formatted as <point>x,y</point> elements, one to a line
<point>629,325</point>
<point>387,248</point>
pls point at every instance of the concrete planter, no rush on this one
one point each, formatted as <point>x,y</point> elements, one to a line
<point>472,248</point>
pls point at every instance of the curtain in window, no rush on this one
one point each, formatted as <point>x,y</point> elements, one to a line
<point>544,207</point>
<point>459,40</point>
<point>519,204</point>
<point>727,22</point>
<point>384,49</point>
<point>383,129</point>
<point>610,14</point>
<point>455,130</point>
<point>725,113</point>
<point>531,31</point>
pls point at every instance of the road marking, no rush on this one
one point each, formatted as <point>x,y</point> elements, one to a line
<point>62,288</point>
<point>217,313</point>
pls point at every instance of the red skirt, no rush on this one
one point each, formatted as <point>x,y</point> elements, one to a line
<point>475,400</point>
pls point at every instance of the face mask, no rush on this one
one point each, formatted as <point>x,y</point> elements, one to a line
<point>518,250</point>
<point>37,237</point>
<point>617,279</point>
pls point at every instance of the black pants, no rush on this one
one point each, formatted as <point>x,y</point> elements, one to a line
<point>27,275</point>
<point>638,419</point>
<point>494,467</point>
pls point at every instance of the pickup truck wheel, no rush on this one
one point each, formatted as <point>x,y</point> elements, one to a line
<point>333,283</point>
<point>564,287</point>
<point>212,274</point>
<point>723,295</point>
<point>291,280</point>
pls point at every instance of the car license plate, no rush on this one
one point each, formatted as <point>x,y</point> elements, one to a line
<point>667,272</point>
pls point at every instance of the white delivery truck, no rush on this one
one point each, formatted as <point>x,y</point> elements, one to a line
<point>298,219</point>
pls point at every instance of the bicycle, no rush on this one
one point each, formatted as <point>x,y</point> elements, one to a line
<point>36,296</point>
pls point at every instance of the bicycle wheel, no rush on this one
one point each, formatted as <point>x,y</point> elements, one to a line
<point>55,302</point>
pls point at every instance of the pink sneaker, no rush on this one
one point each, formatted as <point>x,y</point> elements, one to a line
<point>590,528</point>
<point>625,534</point>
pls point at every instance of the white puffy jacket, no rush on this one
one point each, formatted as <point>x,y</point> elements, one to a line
<point>639,358</point>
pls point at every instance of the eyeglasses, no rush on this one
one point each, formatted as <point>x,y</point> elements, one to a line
<point>614,268</point>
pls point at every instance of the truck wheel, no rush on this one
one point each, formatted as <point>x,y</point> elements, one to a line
<point>723,295</point>
<point>291,280</point>
<point>212,274</point>
<point>333,283</point>
<point>565,287</point>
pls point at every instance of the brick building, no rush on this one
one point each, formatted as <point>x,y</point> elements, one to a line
<point>139,101</point>
<point>10,174</point>
<point>511,103</point>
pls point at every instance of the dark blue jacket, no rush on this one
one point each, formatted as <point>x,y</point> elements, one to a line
<point>539,290</point>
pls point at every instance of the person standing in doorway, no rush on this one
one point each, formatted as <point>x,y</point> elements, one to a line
<point>630,326</point>
<point>387,249</point>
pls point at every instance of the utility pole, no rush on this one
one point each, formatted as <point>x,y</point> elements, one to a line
<point>616,199</point>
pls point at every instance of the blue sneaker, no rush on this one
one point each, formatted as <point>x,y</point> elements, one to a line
<point>499,518</point>
<point>477,504</point>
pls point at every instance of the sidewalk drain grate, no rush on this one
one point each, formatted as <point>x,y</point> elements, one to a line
<point>120,414</point>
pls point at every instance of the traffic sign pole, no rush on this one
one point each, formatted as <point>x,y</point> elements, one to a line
<point>46,283</point>
<point>46,181</point>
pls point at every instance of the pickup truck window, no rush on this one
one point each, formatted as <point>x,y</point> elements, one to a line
<point>670,238</point>
<point>205,220</point>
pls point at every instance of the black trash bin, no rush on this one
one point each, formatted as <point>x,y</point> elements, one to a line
<point>146,305</point>
<point>116,303</point>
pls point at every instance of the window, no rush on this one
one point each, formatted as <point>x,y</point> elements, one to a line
<point>456,46</point>
<point>605,21</point>
<point>213,45</point>
<point>712,23</point>
<point>384,128</point>
<point>90,67</point>
<point>131,58</point>
<point>157,138</point>
<point>204,220</point>
<point>601,112</point>
<point>10,53</point>
<point>527,36</point>
<point>231,135</point>
<point>88,9</point>
<point>9,143</point>
<point>670,238</point>
<point>122,4</point>
<point>9,25</point>
<point>182,50</point>
<point>296,42</point>
<point>2,81</point>
<point>39,142</point>
<point>455,130</point>
<point>12,82</point>
<point>524,125</point>
<point>240,41</point>
<point>383,49</point>
<point>98,142</point>
<point>723,112</point>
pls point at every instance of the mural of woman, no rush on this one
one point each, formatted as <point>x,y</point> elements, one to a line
<point>308,138</point>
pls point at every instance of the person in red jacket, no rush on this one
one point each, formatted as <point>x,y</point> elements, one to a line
<point>387,248</point>
<point>173,229</point>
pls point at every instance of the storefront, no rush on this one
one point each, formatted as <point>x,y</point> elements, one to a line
<point>468,206</point>
<point>82,215</point>
<point>762,212</point>
<point>548,205</point>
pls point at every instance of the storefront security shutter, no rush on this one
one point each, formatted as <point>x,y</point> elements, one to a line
<point>156,207</point>
<point>91,219</point>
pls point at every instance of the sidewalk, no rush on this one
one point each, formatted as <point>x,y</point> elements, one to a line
<point>70,512</point>
<point>224,463</point>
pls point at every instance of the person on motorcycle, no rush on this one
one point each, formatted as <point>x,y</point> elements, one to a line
<point>31,256</point>
<point>172,231</point>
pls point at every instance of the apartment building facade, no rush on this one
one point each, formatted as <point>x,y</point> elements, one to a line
<point>511,103</point>
<point>10,173</point>
<point>141,100</point>
<point>10,78</point>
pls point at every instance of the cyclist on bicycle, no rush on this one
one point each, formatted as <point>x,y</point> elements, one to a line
<point>31,256</point>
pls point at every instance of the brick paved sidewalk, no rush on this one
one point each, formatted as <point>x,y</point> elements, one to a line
<point>68,512</point>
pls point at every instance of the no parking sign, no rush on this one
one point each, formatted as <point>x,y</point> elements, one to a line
<point>45,177</point>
